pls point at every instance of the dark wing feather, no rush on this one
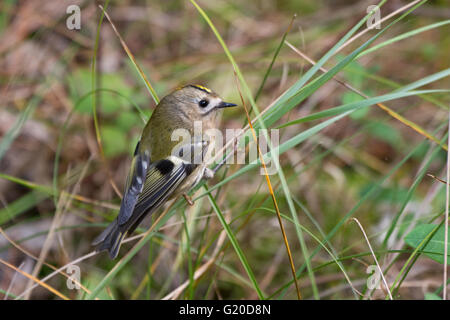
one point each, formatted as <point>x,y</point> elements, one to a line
<point>158,187</point>
<point>134,187</point>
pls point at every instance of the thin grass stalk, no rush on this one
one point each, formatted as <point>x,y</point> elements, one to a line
<point>274,200</point>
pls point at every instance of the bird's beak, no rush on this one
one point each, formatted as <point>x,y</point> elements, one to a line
<point>224,104</point>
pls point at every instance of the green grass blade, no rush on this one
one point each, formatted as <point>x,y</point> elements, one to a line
<point>274,158</point>
<point>277,51</point>
<point>426,80</point>
<point>404,36</point>
<point>235,245</point>
<point>21,205</point>
<point>358,105</point>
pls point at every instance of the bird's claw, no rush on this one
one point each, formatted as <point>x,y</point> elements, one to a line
<point>188,199</point>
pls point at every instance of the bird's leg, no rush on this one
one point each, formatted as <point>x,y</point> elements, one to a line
<point>208,173</point>
<point>188,199</point>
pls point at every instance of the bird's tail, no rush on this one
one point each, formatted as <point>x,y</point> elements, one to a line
<point>110,239</point>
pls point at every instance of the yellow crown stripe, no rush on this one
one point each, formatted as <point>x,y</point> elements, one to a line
<point>198,86</point>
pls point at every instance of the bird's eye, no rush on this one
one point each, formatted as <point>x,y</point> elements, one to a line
<point>203,103</point>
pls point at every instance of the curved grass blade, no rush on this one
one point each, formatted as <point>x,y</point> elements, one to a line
<point>393,84</point>
<point>333,257</point>
<point>20,205</point>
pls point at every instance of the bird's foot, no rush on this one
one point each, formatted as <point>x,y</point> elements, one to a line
<point>208,174</point>
<point>188,199</point>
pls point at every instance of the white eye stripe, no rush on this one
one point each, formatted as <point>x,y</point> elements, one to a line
<point>213,103</point>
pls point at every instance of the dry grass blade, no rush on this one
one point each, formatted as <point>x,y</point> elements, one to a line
<point>47,244</point>
<point>59,270</point>
<point>272,194</point>
<point>38,282</point>
<point>436,178</point>
<point>81,198</point>
<point>18,247</point>
<point>63,204</point>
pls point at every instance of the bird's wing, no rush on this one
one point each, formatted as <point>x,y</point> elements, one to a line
<point>145,193</point>
<point>135,184</point>
<point>111,236</point>
<point>148,186</point>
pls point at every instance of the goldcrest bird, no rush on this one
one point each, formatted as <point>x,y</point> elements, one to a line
<point>161,168</point>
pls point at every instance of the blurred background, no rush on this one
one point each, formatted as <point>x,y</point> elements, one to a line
<point>57,189</point>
